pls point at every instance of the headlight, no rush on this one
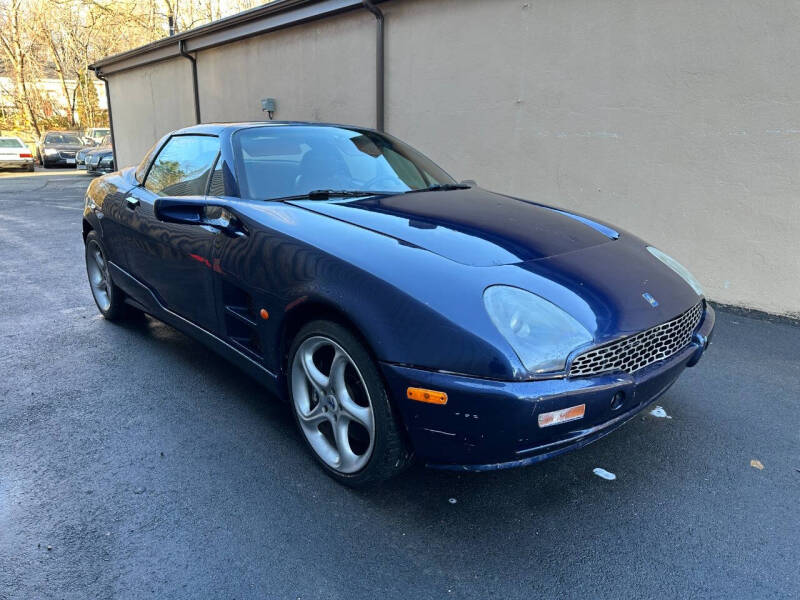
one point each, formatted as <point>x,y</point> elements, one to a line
<point>541,334</point>
<point>50,151</point>
<point>678,268</point>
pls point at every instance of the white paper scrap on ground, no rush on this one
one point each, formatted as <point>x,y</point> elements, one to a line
<point>660,412</point>
<point>604,474</point>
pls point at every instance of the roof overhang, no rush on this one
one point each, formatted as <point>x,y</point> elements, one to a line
<point>263,19</point>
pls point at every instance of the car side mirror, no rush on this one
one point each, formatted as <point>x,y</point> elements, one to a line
<point>199,211</point>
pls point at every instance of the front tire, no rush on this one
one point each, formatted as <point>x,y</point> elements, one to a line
<point>341,406</point>
<point>109,298</point>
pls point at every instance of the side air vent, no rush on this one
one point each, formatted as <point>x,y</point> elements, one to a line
<point>241,323</point>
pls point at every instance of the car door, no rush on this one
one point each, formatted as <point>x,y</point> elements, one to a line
<point>173,259</point>
<point>242,325</point>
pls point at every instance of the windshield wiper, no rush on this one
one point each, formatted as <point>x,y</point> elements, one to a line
<point>327,194</point>
<point>441,187</point>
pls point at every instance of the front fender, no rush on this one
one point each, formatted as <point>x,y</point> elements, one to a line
<point>408,315</point>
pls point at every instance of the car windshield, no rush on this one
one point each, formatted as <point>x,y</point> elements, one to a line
<point>99,133</point>
<point>10,143</point>
<point>62,138</point>
<point>106,141</point>
<point>279,161</point>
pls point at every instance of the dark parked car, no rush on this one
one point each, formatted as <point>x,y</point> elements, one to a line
<point>58,148</point>
<point>99,159</point>
<point>90,145</point>
<point>400,313</point>
<point>80,156</point>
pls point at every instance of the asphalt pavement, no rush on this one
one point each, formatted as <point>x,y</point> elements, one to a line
<point>134,463</point>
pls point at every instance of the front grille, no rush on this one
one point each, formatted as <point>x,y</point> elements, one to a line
<point>639,350</point>
<point>66,154</point>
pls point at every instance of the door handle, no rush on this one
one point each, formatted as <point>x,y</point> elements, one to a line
<point>131,202</point>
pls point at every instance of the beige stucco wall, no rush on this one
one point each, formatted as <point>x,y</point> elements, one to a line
<point>679,121</point>
<point>148,103</point>
<point>321,71</point>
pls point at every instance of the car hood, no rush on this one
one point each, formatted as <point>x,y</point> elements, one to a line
<point>473,227</point>
<point>64,147</point>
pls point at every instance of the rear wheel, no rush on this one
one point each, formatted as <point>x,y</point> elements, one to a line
<point>109,298</point>
<point>341,406</point>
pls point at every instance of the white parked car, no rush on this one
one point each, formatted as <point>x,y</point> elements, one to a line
<point>15,154</point>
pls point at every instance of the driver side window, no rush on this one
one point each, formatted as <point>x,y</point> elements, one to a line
<point>183,166</point>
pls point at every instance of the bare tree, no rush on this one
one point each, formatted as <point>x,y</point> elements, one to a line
<point>17,47</point>
<point>39,38</point>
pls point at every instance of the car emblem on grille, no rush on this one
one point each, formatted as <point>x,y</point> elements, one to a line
<point>652,301</point>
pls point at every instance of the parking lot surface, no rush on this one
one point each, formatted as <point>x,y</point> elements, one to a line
<point>134,463</point>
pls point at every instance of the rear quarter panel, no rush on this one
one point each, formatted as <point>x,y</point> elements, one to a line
<point>105,198</point>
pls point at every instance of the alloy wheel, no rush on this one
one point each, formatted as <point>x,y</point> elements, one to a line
<point>333,404</point>
<point>97,268</point>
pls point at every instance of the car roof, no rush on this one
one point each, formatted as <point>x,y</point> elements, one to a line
<point>218,128</point>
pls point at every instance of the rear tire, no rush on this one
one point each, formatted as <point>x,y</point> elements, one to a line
<point>110,300</point>
<point>341,407</point>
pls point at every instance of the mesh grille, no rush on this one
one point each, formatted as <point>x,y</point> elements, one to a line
<point>640,350</point>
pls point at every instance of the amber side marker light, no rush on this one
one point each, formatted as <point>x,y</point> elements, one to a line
<point>562,416</point>
<point>429,396</point>
<point>264,314</point>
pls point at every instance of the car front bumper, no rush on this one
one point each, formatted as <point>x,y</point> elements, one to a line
<point>54,159</point>
<point>489,425</point>
<point>98,168</point>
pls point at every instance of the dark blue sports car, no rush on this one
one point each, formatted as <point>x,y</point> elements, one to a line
<point>401,314</point>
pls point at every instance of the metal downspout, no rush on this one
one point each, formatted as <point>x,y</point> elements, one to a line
<point>379,67</point>
<point>193,60</point>
<point>102,78</point>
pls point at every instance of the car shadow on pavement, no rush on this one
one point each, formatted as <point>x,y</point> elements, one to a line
<point>545,487</point>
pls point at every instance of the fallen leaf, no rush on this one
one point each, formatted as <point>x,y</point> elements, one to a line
<point>756,464</point>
